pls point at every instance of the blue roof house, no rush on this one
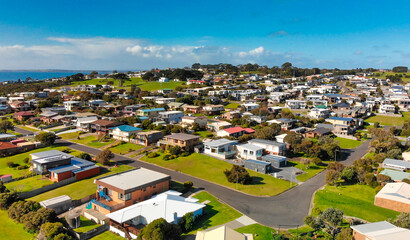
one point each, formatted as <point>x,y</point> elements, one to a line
<point>124,132</point>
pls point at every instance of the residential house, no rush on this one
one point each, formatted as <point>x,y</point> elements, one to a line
<point>94,104</point>
<point>147,138</point>
<point>232,115</point>
<point>164,100</point>
<point>102,126</point>
<point>218,125</point>
<point>124,132</point>
<point>70,105</point>
<point>234,132</point>
<point>222,233</point>
<point>192,108</point>
<point>133,108</point>
<point>171,117</point>
<point>296,104</point>
<point>23,115</point>
<point>163,79</point>
<point>395,164</point>
<point>47,117</point>
<point>7,149</point>
<point>250,106</point>
<point>317,113</point>
<point>4,109</point>
<point>153,112</point>
<point>394,196</point>
<point>183,140</point>
<point>387,108</point>
<point>379,231</point>
<point>249,151</point>
<point>169,205</point>
<point>175,105</point>
<point>271,147</point>
<point>20,106</point>
<point>275,160</point>
<point>285,123</point>
<point>221,148</point>
<point>213,109</point>
<point>83,123</point>
<point>317,132</point>
<point>341,106</point>
<point>78,168</point>
<point>126,188</point>
<point>188,121</point>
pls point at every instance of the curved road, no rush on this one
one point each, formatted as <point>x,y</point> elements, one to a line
<point>288,208</point>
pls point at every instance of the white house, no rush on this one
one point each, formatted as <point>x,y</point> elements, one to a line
<point>171,116</point>
<point>221,148</point>
<point>295,104</point>
<point>273,147</point>
<point>83,123</point>
<point>250,151</point>
<point>250,106</point>
<point>124,132</point>
<point>164,100</point>
<point>168,205</point>
<point>317,113</point>
<point>70,105</point>
<point>163,79</point>
<point>387,108</point>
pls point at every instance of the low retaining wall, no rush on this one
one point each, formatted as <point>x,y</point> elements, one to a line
<point>38,191</point>
<point>92,233</point>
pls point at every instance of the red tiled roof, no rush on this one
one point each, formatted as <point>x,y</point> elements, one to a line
<point>234,130</point>
<point>103,122</point>
<point>6,145</point>
<point>249,130</point>
<point>24,113</point>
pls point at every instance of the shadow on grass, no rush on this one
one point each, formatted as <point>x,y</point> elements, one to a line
<point>256,181</point>
<point>204,222</point>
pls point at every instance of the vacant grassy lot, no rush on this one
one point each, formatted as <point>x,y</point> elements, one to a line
<point>28,128</point>
<point>68,136</point>
<point>86,225</point>
<point>107,235</point>
<point>92,141</point>
<point>125,148</point>
<point>203,134</point>
<point>18,159</point>
<point>80,189</point>
<point>28,184</point>
<point>258,231</point>
<point>215,213</point>
<point>386,120</point>
<point>353,200</point>
<point>211,169</point>
<point>382,75</point>
<point>12,230</point>
<point>348,143</point>
<point>310,170</point>
<point>232,105</point>
<point>144,85</point>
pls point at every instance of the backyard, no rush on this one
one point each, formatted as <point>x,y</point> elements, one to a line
<point>93,141</point>
<point>107,235</point>
<point>80,189</point>
<point>232,105</point>
<point>125,148</point>
<point>28,184</point>
<point>211,169</point>
<point>348,143</point>
<point>215,213</point>
<point>86,225</point>
<point>388,120</point>
<point>258,231</point>
<point>353,200</point>
<point>203,134</point>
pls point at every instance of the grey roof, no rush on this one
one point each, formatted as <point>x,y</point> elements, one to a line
<point>395,162</point>
<point>271,157</point>
<point>50,153</point>
<point>6,135</point>
<point>267,142</point>
<point>324,125</point>
<point>251,147</point>
<point>322,130</point>
<point>372,227</point>
<point>219,142</point>
<point>182,136</point>
<point>258,162</point>
<point>76,164</point>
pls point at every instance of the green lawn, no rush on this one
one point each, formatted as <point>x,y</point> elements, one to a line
<point>80,189</point>
<point>232,105</point>
<point>28,184</point>
<point>258,231</point>
<point>203,134</point>
<point>125,148</point>
<point>215,213</point>
<point>18,159</point>
<point>211,169</point>
<point>13,132</point>
<point>353,200</point>
<point>309,172</point>
<point>348,143</point>
<point>93,141</point>
<point>12,230</point>
<point>298,231</point>
<point>86,225</point>
<point>144,85</point>
<point>28,128</point>
<point>107,235</point>
<point>388,120</point>
<point>382,75</point>
<point>68,136</point>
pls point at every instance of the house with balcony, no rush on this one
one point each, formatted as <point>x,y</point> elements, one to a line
<point>127,188</point>
<point>147,138</point>
<point>191,108</point>
<point>102,126</point>
<point>317,113</point>
<point>152,112</point>
<point>296,104</point>
<point>83,123</point>
<point>124,132</point>
<point>70,105</point>
<point>250,106</point>
<point>170,205</point>
<point>218,125</point>
<point>249,151</point>
<point>183,140</point>
<point>188,121</point>
<point>171,117</point>
<point>271,147</point>
<point>221,148</point>
<point>285,123</point>
<point>213,109</point>
<point>387,108</point>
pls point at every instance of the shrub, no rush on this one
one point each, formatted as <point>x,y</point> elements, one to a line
<point>33,220</point>
<point>85,156</point>
<point>152,155</point>
<point>238,174</point>
<point>166,157</point>
<point>188,185</point>
<point>18,209</point>
<point>104,156</point>
<point>6,199</point>
<point>185,154</point>
<point>46,138</point>
<point>22,167</point>
<point>26,160</point>
<point>176,150</point>
<point>10,164</point>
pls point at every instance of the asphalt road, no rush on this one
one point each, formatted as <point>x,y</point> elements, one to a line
<point>285,210</point>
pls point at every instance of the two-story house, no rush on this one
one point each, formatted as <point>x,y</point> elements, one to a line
<point>70,105</point>
<point>171,117</point>
<point>102,126</point>
<point>249,151</point>
<point>221,148</point>
<point>153,112</point>
<point>183,140</point>
<point>124,132</point>
<point>147,138</point>
<point>213,109</point>
<point>296,104</point>
<point>272,147</point>
<point>188,121</point>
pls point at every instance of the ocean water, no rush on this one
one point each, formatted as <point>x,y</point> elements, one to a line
<point>16,75</point>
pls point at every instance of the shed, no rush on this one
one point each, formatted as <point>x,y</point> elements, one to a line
<point>275,160</point>
<point>59,204</point>
<point>258,166</point>
<point>6,178</point>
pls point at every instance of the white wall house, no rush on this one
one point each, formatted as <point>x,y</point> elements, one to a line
<point>70,105</point>
<point>249,151</point>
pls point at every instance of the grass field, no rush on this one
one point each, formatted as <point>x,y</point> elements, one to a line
<point>28,128</point>
<point>388,120</point>
<point>215,213</point>
<point>348,143</point>
<point>86,225</point>
<point>68,136</point>
<point>18,159</point>
<point>353,200</point>
<point>258,231</point>
<point>232,105</point>
<point>107,235</point>
<point>211,169</point>
<point>12,230</point>
<point>144,85</point>
<point>125,148</point>
<point>382,75</point>
<point>92,141</point>
<point>309,172</point>
<point>28,184</point>
<point>80,189</point>
<point>203,134</point>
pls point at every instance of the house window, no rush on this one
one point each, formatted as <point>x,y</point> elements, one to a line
<point>245,151</point>
<point>55,175</point>
<point>109,192</point>
<point>121,196</point>
<point>144,189</point>
<point>127,196</point>
<point>251,152</point>
<point>154,186</point>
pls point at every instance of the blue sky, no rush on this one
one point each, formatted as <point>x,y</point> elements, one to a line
<point>106,35</point>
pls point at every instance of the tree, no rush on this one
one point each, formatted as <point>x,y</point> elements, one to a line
<point>400,69</point>
<point>188,185</point>
<point>370,179</point>
<point>332,177</point>
<point>85,156</point>
<point>46,138</point>
<point>6,125</point>
<point>175,150</point>
<point>348,174</point>
<point>6,199</point>
<point>104,156</point>
<point>267,133</point>
<point>383,179</point>
<point>3,188</point>
<point>338,167</point>
<point>49,231</point>
<point>33,220</point>
<point>403,220</point>
<point>187,222</point>
<point>312,222</point>
<point>332,218</point>
<point>238,174</point>
<point>330,146</point>
<point>345,234</point>
<point>293,140</point>
<point>160,229</point>
<point>18,209</point>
